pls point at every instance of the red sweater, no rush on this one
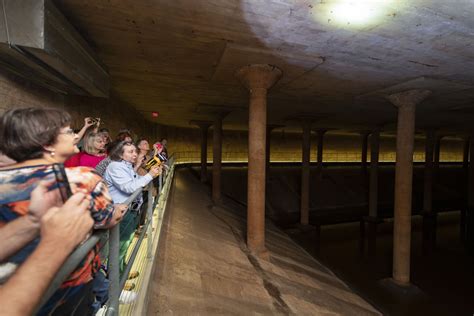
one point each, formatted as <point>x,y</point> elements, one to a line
<point>84,159</point>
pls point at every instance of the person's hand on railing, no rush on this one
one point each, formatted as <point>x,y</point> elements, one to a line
<point>155,171</point>
<point>119,213</point>
<point>68,225</point>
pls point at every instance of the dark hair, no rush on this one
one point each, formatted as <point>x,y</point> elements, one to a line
<point>140,140</point>
<point>104,130</point>
<point>122,135</point>
<point>25,131</point>
<point>117,151</point>
<point>111,146</point>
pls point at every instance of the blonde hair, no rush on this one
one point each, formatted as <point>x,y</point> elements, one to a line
<point>89,140</point>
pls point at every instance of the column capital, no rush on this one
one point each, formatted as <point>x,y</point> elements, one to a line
<point>322,131</point>
<point>219,115</point>
<point>271,127</point>
<point>431,132</point>
<point>428,129</point>
<point>408,97</point>
<point>258,76</point>
<point>439,136</point>
<point>201,123</point>
<point>364,133</point>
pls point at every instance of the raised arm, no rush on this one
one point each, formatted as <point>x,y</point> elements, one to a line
<point>87,123</point>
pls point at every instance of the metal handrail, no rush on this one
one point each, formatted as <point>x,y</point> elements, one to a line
<point>71,263</point>
<point>116,282</point>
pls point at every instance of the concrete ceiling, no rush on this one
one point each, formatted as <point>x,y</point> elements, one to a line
<point>179,57</point>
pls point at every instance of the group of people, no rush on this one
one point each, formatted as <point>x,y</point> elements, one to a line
<point>52,197</point>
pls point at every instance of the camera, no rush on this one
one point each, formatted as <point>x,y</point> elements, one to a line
<point>94,120</point>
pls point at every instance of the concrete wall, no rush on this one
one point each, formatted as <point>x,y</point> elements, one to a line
<point>114,114</point>
<point>185,143</point>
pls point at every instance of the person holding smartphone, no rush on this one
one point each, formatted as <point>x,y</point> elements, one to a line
<point>88,123</point>
<point>61,230</point>
<point>38,139</point>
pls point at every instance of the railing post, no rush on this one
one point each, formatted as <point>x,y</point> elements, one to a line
<point>160,184</point>
<point>114,270</point>
<point>149,210</point>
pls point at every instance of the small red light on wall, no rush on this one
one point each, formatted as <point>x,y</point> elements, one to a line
<point>154,114</point>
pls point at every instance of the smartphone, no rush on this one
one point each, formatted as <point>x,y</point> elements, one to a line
<point>62,181</point>
<point>162,157</point>
<point>94,120</point>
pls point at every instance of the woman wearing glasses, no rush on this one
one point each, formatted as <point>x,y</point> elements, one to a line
<point>39,139</point>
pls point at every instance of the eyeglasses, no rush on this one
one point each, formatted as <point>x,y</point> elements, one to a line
<point>69,131</point>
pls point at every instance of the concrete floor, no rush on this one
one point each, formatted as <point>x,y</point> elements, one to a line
<point>204,267</point>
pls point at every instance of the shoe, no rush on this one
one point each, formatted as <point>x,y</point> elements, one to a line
<point>129,286</point>
<point>133,275</point>
<point>102,311</point>
<point>127,297</point>
<point>138,231</point>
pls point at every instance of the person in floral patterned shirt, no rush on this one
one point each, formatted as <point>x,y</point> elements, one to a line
<point>38,139</point>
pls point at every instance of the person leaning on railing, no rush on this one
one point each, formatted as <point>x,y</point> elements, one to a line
<point>123,180</point>
<point>144,154</point>
<point>61,230</point>
<point>38,138</point>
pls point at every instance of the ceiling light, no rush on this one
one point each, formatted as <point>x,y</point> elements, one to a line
<point>358,12</point>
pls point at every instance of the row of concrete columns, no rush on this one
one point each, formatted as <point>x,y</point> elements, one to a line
<point>216,152</point>
<point>258,79</point>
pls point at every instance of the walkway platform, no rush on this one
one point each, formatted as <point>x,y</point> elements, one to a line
<point>204,268</point>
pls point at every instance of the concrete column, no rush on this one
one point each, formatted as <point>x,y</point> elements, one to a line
<point>470,208</point>
<point>319,165</point>
<point>258,79</point>
<point>364,135</point>
<point>406,103</point>
<point>373,219</point>
<point>437,148</point>
<point>465,154</point>
<point>204,153</point>
<point>437,151</point>
<point>217,159</point>
<point>305,169</point>
<point>465,193</point>
<point>204,126</point>
<point>429,217</point>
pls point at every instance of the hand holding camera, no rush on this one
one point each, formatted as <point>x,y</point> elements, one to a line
<point>155,171</point>
<point>91,121</point>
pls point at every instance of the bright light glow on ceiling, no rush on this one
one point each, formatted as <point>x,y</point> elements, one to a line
<point>358,12</point>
